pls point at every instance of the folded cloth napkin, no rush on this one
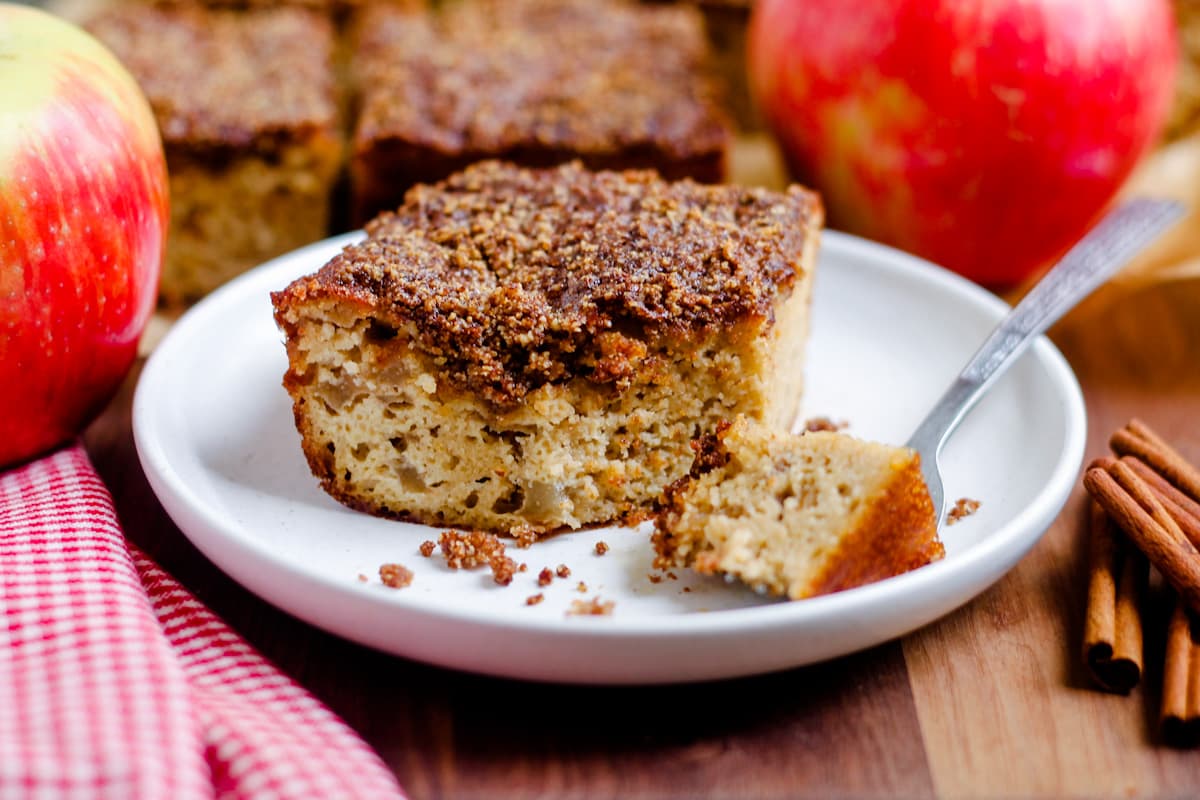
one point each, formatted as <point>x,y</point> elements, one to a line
<point>115,682</point>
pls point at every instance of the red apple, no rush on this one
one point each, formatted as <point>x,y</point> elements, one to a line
<point>985,135</point>
<point>83,220</point>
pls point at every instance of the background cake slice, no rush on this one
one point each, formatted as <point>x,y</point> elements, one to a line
<point>798,515</point>
<point>247,107</point>
<point>527,350</point>
<point>613,83</point>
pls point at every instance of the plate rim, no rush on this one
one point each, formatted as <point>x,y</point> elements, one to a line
<point>1016,537</point>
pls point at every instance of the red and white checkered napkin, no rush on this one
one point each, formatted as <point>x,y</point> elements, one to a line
<point>115,682</point>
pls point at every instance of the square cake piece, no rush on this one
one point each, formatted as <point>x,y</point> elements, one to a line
<point>797,516</point>
<point>529,350</point>
<point>537,82</point>
<point>247,108</point>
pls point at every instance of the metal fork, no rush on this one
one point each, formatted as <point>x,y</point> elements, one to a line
<point>1110,245</point>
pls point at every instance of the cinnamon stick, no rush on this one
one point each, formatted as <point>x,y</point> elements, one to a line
<point>1118,572</point>
<point>1133,505</point>
<point>1180,715</point>
<point>1137,439</point>
<point>1183,509</point>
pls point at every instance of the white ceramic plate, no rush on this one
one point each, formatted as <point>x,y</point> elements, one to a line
<point>215,435</point>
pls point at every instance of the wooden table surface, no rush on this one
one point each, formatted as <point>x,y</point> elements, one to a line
<point>989,701</point>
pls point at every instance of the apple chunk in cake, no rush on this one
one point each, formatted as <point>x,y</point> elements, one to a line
<point>797,515</point>
<point>529,350</point>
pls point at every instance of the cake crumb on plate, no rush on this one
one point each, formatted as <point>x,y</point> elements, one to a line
<point>395,576</point>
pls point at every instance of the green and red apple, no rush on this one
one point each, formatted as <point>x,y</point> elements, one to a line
<point>83,222</point>
<point>985,135</point>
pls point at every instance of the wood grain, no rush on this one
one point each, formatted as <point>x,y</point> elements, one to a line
<point>1004,705</point>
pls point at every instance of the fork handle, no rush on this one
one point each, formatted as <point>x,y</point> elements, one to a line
<point>1093,260</point>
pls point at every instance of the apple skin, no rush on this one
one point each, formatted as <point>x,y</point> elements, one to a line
<point>83,221</point>
<point>984,135</point>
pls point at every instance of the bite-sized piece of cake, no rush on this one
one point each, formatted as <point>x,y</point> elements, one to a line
<point>797,515</point>
<point>528,350</point>
<point>537,82</point>
<point>246,105</point>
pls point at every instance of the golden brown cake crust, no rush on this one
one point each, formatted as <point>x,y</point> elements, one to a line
<point>894,537</point>
<point>226,80</point>
<point>517,278</point>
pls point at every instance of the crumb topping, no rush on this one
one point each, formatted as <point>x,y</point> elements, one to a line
<point>503,569</point>
<point>469,549</point>
<point>475,549</point>
<point>510,278</point>
<point>395,576</point>
<point>963,508</point>
<point>562,571</point>
<point>220,78</point>
<point>578,75</point>
<point>601,548</point>
<point>594,607</point>
<point>545,577</point>
<point>427,548</point>
<point>581,587</point>
<point>534,599</point>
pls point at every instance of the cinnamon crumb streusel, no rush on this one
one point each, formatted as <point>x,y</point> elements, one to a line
<point>563,571</point>
<point>655,577</point>
<point>591,608</point>
<point>963,508</point>
<point>534,599</point>
<point>475,549</point>
<point>545,577</point>
<point>601,548</point>
<point>470,549</point>
<point>395,576</point>
<point>503,569</point>
<point>581,587</point>
<point>427,548</point>
<point>521,278</point>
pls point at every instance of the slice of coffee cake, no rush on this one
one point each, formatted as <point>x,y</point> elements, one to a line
<point>614,84</point>
<point>529,350</point>
<point>247,108</point>
<point>797,515</point>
